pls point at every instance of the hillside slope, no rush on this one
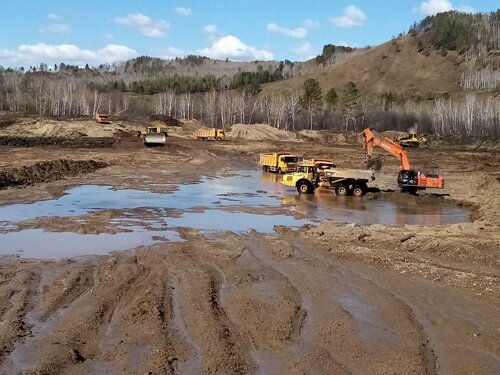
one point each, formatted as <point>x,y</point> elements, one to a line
<point>405,66</point>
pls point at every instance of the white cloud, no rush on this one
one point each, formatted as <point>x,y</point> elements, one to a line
<point>211,32</point>
<point>55,25</point>
<point>147,26</point>
<point>114,52</point>
<point>234,49</point>
<point>305,51</point>
<point>171,53</point>
<point>353,16</point>
<point>299,32</point>
<point>432,7</point>
<point>181,11</point>
<point>49,53</point>
<point>309,24</point>
<point>109,36</point>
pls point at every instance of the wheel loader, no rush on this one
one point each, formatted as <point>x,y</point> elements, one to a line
<point>154,136</point>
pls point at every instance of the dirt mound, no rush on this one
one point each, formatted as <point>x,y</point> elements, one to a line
<point>58,141</point>
<point>187,129</point>
<point>68,129</point>
<point>166,120</point>
<point>259,132</point>
<point>47,171</point>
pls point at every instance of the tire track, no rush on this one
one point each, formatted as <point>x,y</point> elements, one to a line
<point>426,351</point>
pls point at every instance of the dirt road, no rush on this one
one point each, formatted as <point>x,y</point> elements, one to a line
<point>330,298</point>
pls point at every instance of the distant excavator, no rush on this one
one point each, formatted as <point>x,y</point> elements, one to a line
<point>409,180</point>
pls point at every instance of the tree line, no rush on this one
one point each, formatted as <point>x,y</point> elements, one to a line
<point>345,110</point>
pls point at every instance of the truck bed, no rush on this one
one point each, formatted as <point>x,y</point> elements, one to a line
<point>354,174</point>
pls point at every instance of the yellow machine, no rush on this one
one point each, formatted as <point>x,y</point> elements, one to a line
<point>210,134</point>
<point>411,140</point>
<point>155,136</point>
<point>309,177</point>
<point>102,118</point>
<point>283,162</point>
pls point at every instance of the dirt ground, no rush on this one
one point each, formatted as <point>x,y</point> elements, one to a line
<point>331,298</point>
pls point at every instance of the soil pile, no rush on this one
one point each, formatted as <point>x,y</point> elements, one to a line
<point>166,120</point>
<point>259,132</point>
<point>187,129</point>
<point>47,171</point>
<point>58,141</point>
<point>68,129</point>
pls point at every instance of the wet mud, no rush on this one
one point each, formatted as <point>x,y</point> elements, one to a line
<point>82,142</point>
<point>47,171</point>
<point>328,297</point>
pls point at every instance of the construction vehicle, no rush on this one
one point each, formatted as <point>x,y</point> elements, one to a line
<point>154,136</point>
<point>210,134</point>
<point>281,162</point>
<point>411,140</point>
<point>409,179</point>
<point>101,118</point>
<point>309,177</point>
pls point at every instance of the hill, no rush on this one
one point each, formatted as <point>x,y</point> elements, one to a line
<point>402,66</point>
<point>439,56</point>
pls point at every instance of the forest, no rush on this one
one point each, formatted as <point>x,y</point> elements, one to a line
<point>221,93</point>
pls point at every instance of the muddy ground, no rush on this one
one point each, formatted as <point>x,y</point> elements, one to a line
<point>331,298</point>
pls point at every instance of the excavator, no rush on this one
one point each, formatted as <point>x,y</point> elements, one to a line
<point>409,180</point>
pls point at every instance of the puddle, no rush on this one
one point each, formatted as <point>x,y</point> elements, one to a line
<point>214,204</point>
<point>37,243</point>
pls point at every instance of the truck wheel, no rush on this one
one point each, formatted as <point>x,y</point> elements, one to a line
<point>342,190</point>
<point>280,171</point>
<point>358,190</point>
<point>304,187</point>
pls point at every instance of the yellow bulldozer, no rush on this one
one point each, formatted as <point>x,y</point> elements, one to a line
<point>411,140</point>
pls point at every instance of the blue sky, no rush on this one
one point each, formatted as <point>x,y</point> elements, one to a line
<point>96,31</point>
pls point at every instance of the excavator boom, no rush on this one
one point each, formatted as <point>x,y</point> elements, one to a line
<point>408,179</point>
<point>370,138</point>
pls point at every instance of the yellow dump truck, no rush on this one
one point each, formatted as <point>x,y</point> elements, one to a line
<point>101,118</point>
<point>309,177</point>
<point>278,162</point>
<point>210,134</point>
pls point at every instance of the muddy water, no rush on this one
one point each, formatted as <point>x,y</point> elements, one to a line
<point>246,200</point>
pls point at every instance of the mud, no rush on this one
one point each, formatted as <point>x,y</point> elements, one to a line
<point>326,298</point>
<point>47,171</point>
<point>57,142</point>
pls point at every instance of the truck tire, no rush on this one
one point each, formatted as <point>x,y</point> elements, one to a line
<point>305,187</point>
<point>359,190</point>
<point>280,171</point>
<point>342,190</point>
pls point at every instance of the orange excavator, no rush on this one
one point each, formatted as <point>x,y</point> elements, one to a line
<point>409,180</point>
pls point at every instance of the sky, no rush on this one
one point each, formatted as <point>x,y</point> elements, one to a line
<point>104,31</point>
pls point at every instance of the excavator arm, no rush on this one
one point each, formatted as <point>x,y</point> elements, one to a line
<point>370,139</point>
<point>409,180</point>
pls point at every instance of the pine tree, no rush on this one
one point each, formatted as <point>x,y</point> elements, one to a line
<point>331,99</point>
<point>312,99</point>
<point>351,104</point>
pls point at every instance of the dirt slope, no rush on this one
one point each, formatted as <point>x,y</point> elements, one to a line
<point>403,66</point>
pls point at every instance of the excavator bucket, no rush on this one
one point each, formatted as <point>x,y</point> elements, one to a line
<point>375,163</point>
